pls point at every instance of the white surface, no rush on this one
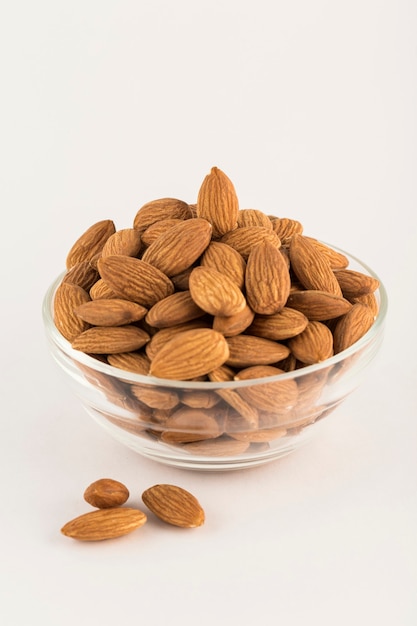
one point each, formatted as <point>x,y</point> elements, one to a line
<point>310,108</point>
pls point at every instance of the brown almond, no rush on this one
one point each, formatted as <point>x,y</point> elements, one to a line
<point>311,267</point>
<point>313,345</point>
<point>267,279</point>
<point>174,505</point>
<point>189,354</point>
<point>101,290</point>
<point>67,298</point>
<point>188,424</point>
<point>104,524</point>
<point>156,397</point>
<point>177,308</point>
<point>282,325</point>
<point>279,395</point>
<point>90,243</point>
<point>82,274</point>
<point>318,305</point>
<point>157,229</point>
<point>352,326</point>
<point>234,324</point>
<point>253,217</point>
<point>215,293</point>
<point>105,493</point>
<point>134,279</point>
<point>219,447</point>
<point>285,228</point>
<point>178,248</point>
<point>226,260</point>
<point>247,350</point>
<point>110,312</point>
<point>163,335</point>
<point>135,362</point>
<point>217,202</point>
<point>160,209</point>
<point>245,238</point>
<point>126,241</point>
<point>354,284</point>
<point>247,412</point>
<point>110,339</point>
<point>336,259</point>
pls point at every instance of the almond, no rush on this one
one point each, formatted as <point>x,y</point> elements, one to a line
<point>313,345</point>
<point>82,274</point>
<point>178,248</point>
<point>247,350</point>
<point>225,259</point>
<point>135,362</point>
<point>219,447</point>
<point>177,308</point>
<point>105,493</point>
<point>311,267</point>
<point>245,238</point>
<point>253,217</point>
<point>110,312</point>
<point>110,339</point>
<point>163,335</point>
<point>282,325</point>
<point>90,243</point>
<point>160,209</point>
<point>285,228</point>
<point>352,326</point>
<point>247,412</point>
<point>189,354</point>
<point>126,241</point>
<point>278,396</point>
<point>336,259</point>
<point>157,229</point>
<point>104,524</point>
<point>174,505</point>
<point>134,279</point>
<point>318,305</point>
<point>267,279</point>
<point>156,397</point>
<point>234,324</point>
<point>354,284</point>
<point>67,298</point>
<point>217,202</point>
<point>188,424</point>
<point>100,290</point>
<point>215,293</point>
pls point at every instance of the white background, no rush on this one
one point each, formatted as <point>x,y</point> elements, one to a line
<point>310,108</point>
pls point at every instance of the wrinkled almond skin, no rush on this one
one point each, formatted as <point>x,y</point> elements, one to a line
<point>253,217</point>
<point>215,293</point>
<point>232,325</point>
<point>352,326</point>
<point>178,308</point>
<point>312,269</point>
<point>174,505</point>
<point>217,202</point>
<point>106,493</point>
<point>226,260</point>
<point>110,312</point>
<point>67,298</point>
<point>247,350</point>
<point>90,243</point>
<point>104,524</point>
<point>278,396</point>
<point>190,354</point>
<point>110,339</point>
<point>282,325</point>
<point>126,241</point>
<point>354,284</point>
<point>245,238</point>
<point>313,345</point>
<point>318,305</point>
<point>178,248</point>
<point>267,279</point>
<point>82,274</point>
<point>134,279</point>
<point>161,209</point>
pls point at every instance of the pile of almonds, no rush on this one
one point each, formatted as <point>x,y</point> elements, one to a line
<point>210,292</point>
<point>170,503</point>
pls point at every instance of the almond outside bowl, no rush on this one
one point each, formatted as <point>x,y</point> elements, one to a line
<point>205,425</point>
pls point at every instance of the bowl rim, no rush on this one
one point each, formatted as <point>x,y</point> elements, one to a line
<point>131,377</point>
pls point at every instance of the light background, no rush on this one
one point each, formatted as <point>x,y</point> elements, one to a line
<point>310,108</point>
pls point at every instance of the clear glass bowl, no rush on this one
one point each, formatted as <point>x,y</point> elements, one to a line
<point>202,425</point>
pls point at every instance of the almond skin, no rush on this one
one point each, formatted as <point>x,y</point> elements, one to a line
<point>174,505</point>
<point>134,279</point>
<point>110,339</point>
<point>354,284</point>
<point>110,312</point>
<point>82,274</point>
<point>225,259</point>
<point>217,202</point>
<point>245,238</point>
<point>279,396</point>
<point>247,350</point>
<point>126,241</point>
<point>267,279</point>
<point>282,325</point>
<point>177,308</point>
<point>104,524</point>
<point>90,243</point>
<point>313,345</point>
<point>106,493</point>
<point>318,305</point>
<point>67,298</point>
<point>178,248</point>
<point>311,267</point>
<point>190,354</point>
<point>215,293</point>
<point>352,326</point>
<point>161,209</point>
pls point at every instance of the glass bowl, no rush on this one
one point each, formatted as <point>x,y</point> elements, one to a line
<point>208,425</point>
